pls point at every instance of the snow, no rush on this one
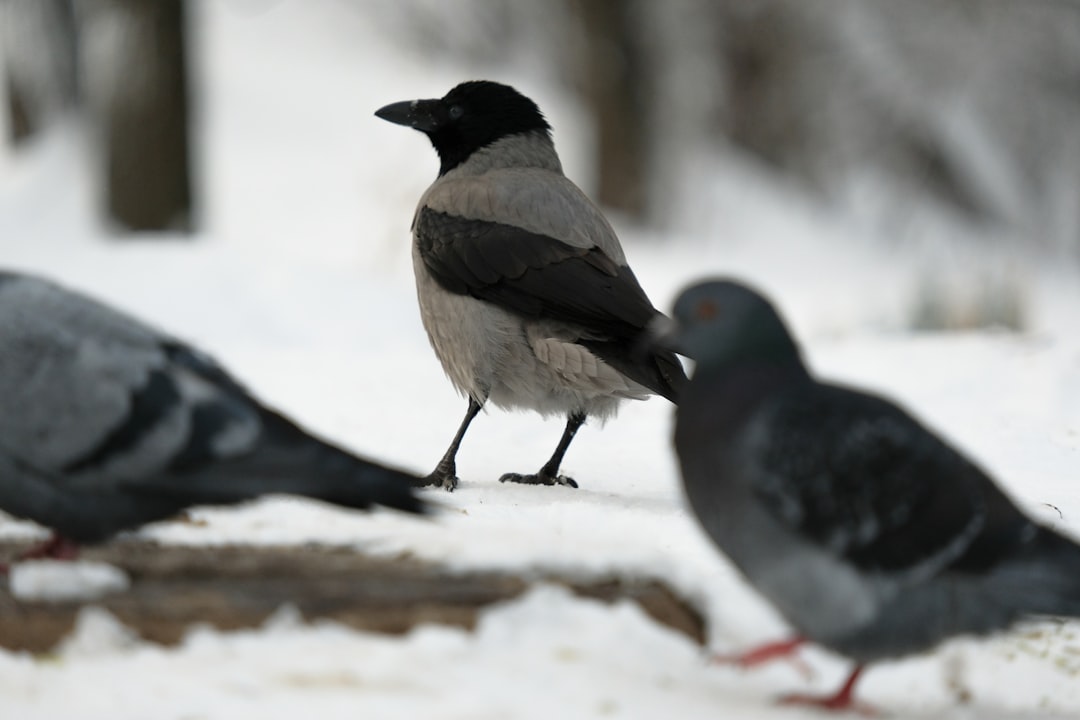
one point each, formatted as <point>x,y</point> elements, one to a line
<point>65,581</point>
<point>301,284</point>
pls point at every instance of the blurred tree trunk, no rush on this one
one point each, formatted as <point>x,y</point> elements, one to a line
<point>136,88</point>
<point>20,125</point>
<point>615,89</point>
<point>37,43</point>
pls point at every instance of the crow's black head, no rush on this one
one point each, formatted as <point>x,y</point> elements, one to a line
<point>471,116</point>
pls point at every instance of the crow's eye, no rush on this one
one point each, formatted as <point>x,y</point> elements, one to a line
<point>456,111</point>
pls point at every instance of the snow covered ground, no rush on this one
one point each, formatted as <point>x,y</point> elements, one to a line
<point>302,285</point>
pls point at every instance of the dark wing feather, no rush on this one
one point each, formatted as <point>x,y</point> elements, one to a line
<point>854,473</point>
<point>540,277</point>
<point>533,275</point>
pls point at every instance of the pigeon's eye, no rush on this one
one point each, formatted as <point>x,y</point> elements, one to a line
<point>456,111</point>
<point>706,310</point>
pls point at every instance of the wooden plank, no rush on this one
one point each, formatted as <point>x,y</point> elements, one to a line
<point>233,587</point>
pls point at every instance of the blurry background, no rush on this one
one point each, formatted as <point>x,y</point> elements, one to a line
<point>949,128</point>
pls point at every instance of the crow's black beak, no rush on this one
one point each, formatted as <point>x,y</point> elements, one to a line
<point>422,115</point>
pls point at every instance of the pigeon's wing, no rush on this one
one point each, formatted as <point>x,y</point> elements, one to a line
<point>47,498</point>
<point>541,277</point>
<point>107,424</point>
<point>91,393</point>
<point>855,474</point>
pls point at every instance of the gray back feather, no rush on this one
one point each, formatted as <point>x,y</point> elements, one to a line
<point>518,181</point>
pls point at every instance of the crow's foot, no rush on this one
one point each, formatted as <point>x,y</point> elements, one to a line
<point>444,476</point>
<point>540,478</point>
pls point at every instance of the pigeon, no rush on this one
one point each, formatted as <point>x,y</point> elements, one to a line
<point>872,536</point>
<point>523,287</point>
<point>108,424</point>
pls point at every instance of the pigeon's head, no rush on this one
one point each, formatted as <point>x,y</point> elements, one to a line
<point>471,116</point>
<point>717,322</point>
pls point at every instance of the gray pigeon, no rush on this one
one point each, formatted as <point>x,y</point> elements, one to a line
<point>108,424</point>
<point>524,289</point>
<point>873,537</point>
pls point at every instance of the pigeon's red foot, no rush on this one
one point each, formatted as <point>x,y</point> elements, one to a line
<point>843,700</point>
<point>56,547</point>
<point>783,650</point>
<point>760,655</point>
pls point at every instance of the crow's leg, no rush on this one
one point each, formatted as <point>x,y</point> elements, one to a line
<point>445,473</point>
<point>549,474</point>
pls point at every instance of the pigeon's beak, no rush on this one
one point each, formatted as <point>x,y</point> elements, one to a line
<point>661,332</point>
<point>420,115</point>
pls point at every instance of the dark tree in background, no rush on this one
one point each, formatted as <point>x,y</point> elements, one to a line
<point>136,93</point>
<point>616,88</point>
<point>37,44</point>
<point>123,64</point>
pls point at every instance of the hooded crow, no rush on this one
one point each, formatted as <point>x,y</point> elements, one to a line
<point>872,536</point>
<point>108,424</point>
<point>524,290</point>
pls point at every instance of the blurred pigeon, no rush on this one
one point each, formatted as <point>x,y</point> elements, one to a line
<point>524,289</point>
<point>871,536</point>
<point>108,424</point>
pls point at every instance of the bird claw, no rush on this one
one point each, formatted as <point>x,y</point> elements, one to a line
<point>800,666</point>
<point>833,703</point>
<point>783,650</point>
<point>56,547</point>
<point>842,699</point>
<point>439,477</point>
<point>540,478</point>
